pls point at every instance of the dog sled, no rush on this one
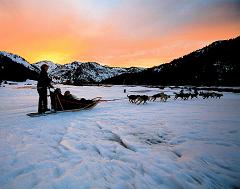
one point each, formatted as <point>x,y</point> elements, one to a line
<point>59,103</point>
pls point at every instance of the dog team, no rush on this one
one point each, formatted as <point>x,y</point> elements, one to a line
<point>204,95</point>
<point>138,99</point>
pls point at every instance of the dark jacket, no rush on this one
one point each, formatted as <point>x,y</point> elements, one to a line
<point>44,81</point>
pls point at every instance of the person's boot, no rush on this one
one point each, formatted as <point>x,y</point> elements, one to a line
<point>45,110</point>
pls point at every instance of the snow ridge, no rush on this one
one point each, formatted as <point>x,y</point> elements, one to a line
<point>18,59</point>
<point>86,72</point>
<point>51,65</point>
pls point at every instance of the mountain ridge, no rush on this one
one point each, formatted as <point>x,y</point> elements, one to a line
<point>76,72</point>
<point>15,68</point>
<point>215,64</point>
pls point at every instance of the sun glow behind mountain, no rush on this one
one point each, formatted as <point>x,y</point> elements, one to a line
<point>53,56</point>
<point>113,32</point>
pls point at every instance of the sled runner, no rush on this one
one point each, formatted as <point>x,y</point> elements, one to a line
<point>36,114</point>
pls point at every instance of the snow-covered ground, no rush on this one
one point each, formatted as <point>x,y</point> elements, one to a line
<point>118,145</point>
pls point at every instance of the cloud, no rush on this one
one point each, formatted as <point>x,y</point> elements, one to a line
<point>115,32</point>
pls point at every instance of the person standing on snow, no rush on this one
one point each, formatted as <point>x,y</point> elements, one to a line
<point>43,83</point>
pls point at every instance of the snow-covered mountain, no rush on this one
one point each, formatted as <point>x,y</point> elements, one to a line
<point>82,73</point>
<point>18,59</point>
<point>52,66</point>
<point>14,67</point>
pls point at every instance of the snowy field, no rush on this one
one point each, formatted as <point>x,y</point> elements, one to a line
<point>118,145</point>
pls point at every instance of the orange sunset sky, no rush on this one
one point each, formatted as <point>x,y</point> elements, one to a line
<point>121,33</point>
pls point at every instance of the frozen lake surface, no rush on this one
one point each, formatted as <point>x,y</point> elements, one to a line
<point>119,145</point>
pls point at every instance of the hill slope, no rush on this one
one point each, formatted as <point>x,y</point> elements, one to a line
<point>215,64</point>
<point>16,68</point>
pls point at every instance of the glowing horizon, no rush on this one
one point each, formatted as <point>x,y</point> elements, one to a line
<point>114,32</point>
